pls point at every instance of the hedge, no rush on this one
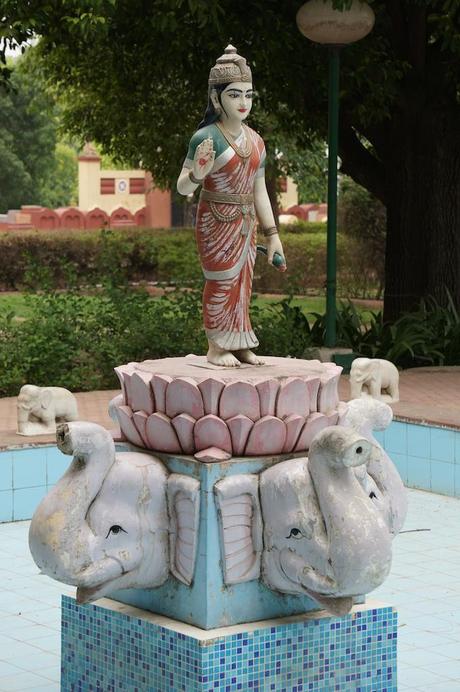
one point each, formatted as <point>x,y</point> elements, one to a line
<point>70,259</point>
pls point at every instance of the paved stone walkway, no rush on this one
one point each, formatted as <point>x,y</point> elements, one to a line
<point>427,395</point>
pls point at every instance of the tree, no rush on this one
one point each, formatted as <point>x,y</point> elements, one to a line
<point>307,167</point>
<point>59,189</point>
<point>35,168</point>
<point>133,75</point>
<point>362,217</point>
<point>27,141</point>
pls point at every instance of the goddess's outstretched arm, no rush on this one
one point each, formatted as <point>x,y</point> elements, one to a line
<point>267,220</point>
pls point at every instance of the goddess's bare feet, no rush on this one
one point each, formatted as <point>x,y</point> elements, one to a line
<point>217,356</point>
<point>247,356</point>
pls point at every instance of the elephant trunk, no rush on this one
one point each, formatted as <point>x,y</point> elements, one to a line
<point>94,577</point>
<point>23,417</point>
<point>59,536</point>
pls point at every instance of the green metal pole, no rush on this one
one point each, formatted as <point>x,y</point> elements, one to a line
<point>333,136</point>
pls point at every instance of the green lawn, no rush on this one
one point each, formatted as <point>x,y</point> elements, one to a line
<point>307,303</point>
<point>15,303</point>
<point>313,303</point>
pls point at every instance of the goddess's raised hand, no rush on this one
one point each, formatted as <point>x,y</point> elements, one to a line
<point>203,160</point>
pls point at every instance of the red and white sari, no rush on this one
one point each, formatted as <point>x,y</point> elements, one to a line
<point>226,239</point>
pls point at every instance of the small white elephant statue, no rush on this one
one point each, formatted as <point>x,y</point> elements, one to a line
<point>310,526</point>
<point>114,521</point>
<point>41,408</point>
<point>375,377</point>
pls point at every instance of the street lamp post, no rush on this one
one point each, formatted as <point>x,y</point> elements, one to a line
<point>321,23</point>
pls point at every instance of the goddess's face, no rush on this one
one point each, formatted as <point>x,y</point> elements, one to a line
<point>236,100</point>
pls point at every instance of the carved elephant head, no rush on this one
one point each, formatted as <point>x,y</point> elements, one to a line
<point>315,529</point>
<point>114,521</point>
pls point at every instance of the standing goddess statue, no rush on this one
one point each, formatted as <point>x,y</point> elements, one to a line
<point>227,158</point>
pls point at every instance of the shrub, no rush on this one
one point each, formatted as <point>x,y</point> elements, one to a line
<point>362,219</point>
<point>63,260</point>
<point>75,341</point>
<point>304,227</point>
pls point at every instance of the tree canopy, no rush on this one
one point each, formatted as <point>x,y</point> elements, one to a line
<point>35,167</point>
<point>132,75</point>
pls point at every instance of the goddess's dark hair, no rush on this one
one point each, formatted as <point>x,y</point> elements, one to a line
<point>211,115</point>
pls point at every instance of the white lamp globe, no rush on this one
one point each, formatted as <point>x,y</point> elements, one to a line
<point>321,23</point>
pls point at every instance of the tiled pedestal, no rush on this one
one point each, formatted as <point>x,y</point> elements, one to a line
<point>110,646</point>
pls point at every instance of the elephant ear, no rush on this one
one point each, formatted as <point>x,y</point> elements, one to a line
<point>45,398</point>
<point>183,495</point>
<point>240,523</point>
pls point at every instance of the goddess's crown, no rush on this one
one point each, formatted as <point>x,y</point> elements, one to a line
<point>230,67</point>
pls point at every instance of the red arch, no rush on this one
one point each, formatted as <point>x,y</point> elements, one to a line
<point>97,218</point>
<point>121,217</point>
<point>71,218</point>
<point>140,217</point>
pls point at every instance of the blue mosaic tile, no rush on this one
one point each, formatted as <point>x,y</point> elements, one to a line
<point>105,650</point>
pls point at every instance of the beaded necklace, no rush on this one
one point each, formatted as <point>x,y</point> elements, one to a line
<point>246,150</point>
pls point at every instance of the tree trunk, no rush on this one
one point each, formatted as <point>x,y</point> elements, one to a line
<point>423,207</point>
<point>271,183</point>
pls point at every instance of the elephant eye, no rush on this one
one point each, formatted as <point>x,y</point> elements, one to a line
<point>295,533</point>
<point>115,529</point>
<point>359,450</point>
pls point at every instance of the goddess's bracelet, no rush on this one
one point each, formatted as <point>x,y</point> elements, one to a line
<point>270,231</point>
<point>193,179</point>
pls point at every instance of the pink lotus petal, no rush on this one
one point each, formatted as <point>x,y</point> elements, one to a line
<point>240,427</point>
<point>294,425</point>
<point>183,396</point>
<point>211,431</point>
<point>129,430</point>
<point>313,388</point>
<point>268,391</point>
<point>267,437</point>
<point>124,373</point>
<point>239,397</point>
<point>328,396</point>
<point>212,454</point>
<point>159,385</point>
<point>183,425</point>
<point>161,434</point>
<point>211,389</point>
<point>140,421</point>
<point>293,397</point>
<point>313,425</point>
<point>142,398</point>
